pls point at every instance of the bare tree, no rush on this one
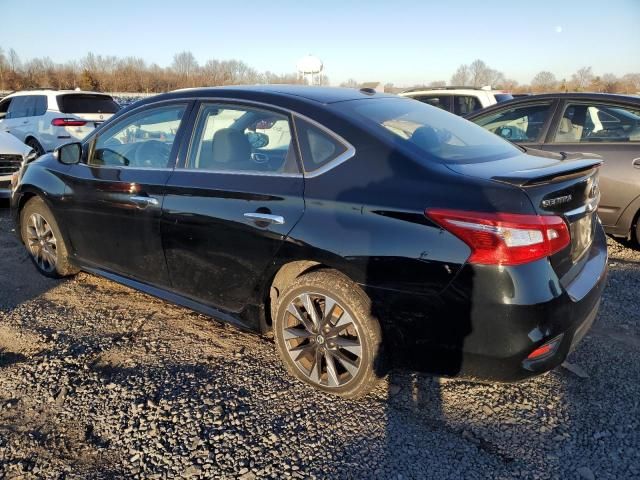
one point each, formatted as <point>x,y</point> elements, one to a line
<point>544,81</point>
<point>184,64</point>
<point>437,83</point>
<point>632,82</point>
<point>350,83</point>
<point>611,83</point>
<point>461,77</point>
<point>581,79</point>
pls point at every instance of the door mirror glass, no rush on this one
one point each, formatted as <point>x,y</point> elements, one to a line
<point>69,154</point>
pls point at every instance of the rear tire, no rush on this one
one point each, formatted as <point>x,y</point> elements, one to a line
<point>326,334</point>
<point>35,145</point>
<point>44,242</point>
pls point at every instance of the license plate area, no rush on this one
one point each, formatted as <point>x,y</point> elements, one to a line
<point>582,231</point>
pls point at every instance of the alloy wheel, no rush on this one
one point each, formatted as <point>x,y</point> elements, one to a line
<point>41,242</point>
<point>322,340</point>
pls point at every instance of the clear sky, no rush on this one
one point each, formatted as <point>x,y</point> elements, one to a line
<point>404,42</point>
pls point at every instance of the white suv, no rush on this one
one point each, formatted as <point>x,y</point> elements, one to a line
<point>459,100</point>
<point>46,119</point>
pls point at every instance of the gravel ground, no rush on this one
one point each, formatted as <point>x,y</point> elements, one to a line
<point>100,381</point>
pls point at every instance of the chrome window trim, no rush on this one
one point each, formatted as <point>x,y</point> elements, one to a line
<point>343,157</point>
<point>257,173</point>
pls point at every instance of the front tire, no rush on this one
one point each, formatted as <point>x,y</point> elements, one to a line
<point>326,334</point>
<point>42,238</point>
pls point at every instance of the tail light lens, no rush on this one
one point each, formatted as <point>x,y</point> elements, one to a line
<point>67,122</point>
<point>504,238</point>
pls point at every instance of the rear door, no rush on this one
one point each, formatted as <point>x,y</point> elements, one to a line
<point>232,202</point>
<point>611,131</point>
<point>114,198</point>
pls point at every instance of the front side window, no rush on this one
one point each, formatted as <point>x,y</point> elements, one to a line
<point>465,104</point>
<point>142,140</point>
<point>442,101</point>
<point>517,124</point>
<point>590,123</point>
<point>4,107</point>
<point>434,133</point>
<point>21,107</point>
<point>242,139</point>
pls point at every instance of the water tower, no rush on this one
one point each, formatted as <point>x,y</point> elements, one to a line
<point>309,67</point>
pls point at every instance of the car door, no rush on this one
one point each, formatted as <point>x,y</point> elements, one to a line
<point>232,202</point>
<point>114,198</point>
<point>612,131</point>
<point>4,108</point>
<point>525,124</point>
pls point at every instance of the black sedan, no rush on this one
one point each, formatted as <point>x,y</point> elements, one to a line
<point>608,125</point>
<point>367,230</point>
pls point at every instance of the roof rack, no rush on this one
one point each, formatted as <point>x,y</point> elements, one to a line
<point>448,87</point>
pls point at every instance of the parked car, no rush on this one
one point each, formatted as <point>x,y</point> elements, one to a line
<point>46,119</point>
<point>375,231</point>
<point>13,154</point>
<point>459,100</point>
<point>607,125</point>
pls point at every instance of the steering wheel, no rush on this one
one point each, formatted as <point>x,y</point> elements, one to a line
<point>152,153</point>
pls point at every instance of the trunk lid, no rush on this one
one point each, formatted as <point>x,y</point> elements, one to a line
<point>557,184</point>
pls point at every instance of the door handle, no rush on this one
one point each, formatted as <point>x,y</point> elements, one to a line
<point>145,201</point>
<point>636,162</point>
<point>265,217</point>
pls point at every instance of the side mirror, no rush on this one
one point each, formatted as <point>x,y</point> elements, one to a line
<point>258,139</point>
<point>69,154</point>
<point>506,132</point>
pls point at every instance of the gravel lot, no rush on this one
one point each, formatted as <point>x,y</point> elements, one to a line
<point>99,381</point>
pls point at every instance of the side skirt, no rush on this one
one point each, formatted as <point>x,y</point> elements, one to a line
<point>171,297</point>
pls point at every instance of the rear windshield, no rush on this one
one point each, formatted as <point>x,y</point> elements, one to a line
<point>86,103</point>
<point>503,97</point>
<point>439,134</point>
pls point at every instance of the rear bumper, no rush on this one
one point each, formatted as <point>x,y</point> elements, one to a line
<point>490,319</point>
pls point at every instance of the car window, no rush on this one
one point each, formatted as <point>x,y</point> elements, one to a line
<point>592,123</point>
<point>319,147</point>
<point>465,104</point>
<point>39,105</point>
<point>142,140</point>
<point>518,124</point>
<point>21,106</point>
<point>435,134</point>
<point>502,97</point>
<point>241,139</point>
<point>440,101</point>
<point>86,103</point>
<point>4,106</point>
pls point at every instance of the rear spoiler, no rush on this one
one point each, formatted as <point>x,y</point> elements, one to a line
<point>573,165</point>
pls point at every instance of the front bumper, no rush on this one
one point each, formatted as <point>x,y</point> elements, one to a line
<point>490,319</point>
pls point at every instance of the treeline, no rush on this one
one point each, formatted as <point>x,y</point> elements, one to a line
<point>130,74</point>
<point>479,74</point>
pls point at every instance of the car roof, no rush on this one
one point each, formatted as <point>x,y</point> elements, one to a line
<point>323,95</point>
<point>449,91</point>
<point>580,96</point>
<point>51,91</point>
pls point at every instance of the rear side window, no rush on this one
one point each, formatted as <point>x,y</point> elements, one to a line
<point>39,105</point>
<point>596,123</point>
<point>443,101</point>
<point>86,103</point>
<point>517,124</point>
<point>465,104</point>
<point>319,147</point>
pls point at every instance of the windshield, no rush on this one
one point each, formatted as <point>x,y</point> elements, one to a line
<point>437,133</point>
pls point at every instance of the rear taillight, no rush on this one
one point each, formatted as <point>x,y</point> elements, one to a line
<point>504,238</point>
<point>67,122</point>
